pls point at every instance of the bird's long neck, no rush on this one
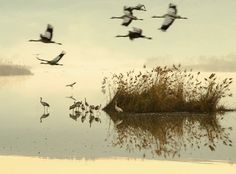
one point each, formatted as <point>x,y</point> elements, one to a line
<point>163,16</point>
<point>115,17</point>
<point>32,40</point>
<point>122,35</point>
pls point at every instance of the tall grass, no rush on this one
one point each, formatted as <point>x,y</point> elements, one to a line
<point>166,89</point>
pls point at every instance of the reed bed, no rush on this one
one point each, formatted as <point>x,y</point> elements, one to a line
<point>166,89</point>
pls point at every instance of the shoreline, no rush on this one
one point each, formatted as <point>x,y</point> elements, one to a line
<point>18,164</point>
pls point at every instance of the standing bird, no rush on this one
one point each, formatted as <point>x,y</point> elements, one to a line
<point>47,36</point>
<point>53,61</point>
<point>85,102</point>
<point>170,17</point>
<point>71,85</point>
<point>45,104</point>
<point>127,18</point>
<point>117,108</point>
<point>136,33</point>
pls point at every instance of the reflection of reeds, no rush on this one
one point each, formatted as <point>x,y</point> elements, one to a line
<point>9,69</point>
<point>166,89</point>
<point>168,134</point>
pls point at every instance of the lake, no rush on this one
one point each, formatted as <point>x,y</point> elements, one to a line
<point>180,137</point>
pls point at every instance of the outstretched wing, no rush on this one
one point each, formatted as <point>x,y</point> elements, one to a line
<point>172,11</point>
<point>58,58</point>
<point>42,59</point>
<point>169,18</point>
<point>126,21</point>
<point>128,9</point>
<point>137,30</point>
<point>168,21</point>
<point>49,32</point>
<point>140,7</point>
<point>128,13</point>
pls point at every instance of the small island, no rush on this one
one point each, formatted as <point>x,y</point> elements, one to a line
<point>165,90</point>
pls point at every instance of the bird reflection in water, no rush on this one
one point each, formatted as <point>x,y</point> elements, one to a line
<point>44,116</point>
<point>168,135</point>
<point>91,113</point>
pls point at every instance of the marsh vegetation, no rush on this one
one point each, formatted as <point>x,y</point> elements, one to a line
<point>166,89</point>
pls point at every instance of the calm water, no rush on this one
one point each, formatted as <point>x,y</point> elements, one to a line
<point>60,135</point>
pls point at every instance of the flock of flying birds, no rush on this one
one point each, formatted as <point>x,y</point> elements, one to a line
<point>128,17</point>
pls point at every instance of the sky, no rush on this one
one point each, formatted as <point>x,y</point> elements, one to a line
<point>88,35</point>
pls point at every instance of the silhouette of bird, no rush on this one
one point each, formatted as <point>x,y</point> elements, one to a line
<point>71,97</point>
<point>53,61</point>
<point>97,119</point>
<point>117,108</point>
<point>136,33</point>
<point>43,117</point>
<point>74,117</point>
<point>170,17</point>
<point>71,85</point>
<point>45,104</point>
<point>97,107</point>
<point>47,36</point>
<point>85,102</point>
<point>127,18</point>
<point>139,7</point>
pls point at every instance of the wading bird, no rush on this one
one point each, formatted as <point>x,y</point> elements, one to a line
<point>47,36</point>
<point>71,85</point>
<point>170,17</point>
<point>117,108</point>
<point>136,33</point>
<point>45,104</point>
<point>53,61</point>
<point>127,18</point>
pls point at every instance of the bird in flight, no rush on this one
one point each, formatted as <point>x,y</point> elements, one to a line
<point>128,17</point>
<point>139,7</point>
<point>136,33</point>
<point>47,36</point>
<point>71,85</point>
<point>169,17</point>
<point>53,61</point>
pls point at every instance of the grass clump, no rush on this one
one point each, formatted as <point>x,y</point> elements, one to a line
<point>166,89</point>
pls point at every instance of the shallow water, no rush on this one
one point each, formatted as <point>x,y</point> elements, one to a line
<point>170,137</point>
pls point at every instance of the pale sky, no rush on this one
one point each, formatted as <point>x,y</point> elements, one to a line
<point>88,35</point>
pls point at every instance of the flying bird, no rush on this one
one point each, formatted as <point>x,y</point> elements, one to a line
<point>127,18</point>
<point>71,85</point>
<point>170,17</point>
<point>136,33</point>
<point>71,97</point>
<point>53,61</point>
<point>139,7</point>
<point>47,36</point>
